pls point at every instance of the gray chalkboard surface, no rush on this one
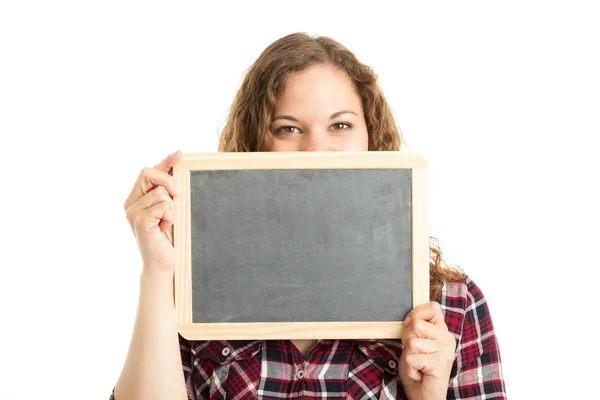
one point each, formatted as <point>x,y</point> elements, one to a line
<point>301,245</point>
<point>294,245</point>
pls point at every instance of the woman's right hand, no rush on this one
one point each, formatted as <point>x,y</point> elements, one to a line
<point>151,212</point>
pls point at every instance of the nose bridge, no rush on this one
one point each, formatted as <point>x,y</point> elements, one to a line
<point>317,139</point>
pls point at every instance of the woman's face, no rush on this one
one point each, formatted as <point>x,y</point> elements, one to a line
<point>319,110</point>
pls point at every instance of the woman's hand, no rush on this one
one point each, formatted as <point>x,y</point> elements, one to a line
<point>428,354</point>
<point>150,211</point>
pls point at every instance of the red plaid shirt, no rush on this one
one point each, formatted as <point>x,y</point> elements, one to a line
<point>355,369</point>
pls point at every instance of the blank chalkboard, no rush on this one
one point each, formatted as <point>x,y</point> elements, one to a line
<point>299,245</point>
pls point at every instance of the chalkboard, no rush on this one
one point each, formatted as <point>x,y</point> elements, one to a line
<point>299,245</point>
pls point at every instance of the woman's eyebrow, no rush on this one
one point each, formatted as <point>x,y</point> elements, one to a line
<point>337,114</point>
<point>285,117</point>
<point>334,115</point>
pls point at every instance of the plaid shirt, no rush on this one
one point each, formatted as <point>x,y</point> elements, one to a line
<point>355,369</point>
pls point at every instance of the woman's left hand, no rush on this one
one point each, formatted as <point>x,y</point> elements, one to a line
<point>428,354</point>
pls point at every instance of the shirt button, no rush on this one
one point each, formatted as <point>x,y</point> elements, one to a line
<point>392,364</point>
<point>300,374</point>
<point>226,351</point>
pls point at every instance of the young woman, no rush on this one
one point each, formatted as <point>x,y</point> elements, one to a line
<point>303,94</point>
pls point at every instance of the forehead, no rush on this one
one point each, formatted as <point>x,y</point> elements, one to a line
<point>319,88</point>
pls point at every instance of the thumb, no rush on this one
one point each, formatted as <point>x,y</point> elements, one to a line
<point>167,164</point>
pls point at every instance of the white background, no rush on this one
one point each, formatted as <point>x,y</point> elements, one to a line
<point>502,98</point>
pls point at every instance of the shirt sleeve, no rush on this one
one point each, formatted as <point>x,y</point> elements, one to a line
<point>187,357</point>
<point>187,364</point>
<point>477,371</point>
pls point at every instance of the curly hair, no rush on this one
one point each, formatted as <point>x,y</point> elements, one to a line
<point>250,114</point>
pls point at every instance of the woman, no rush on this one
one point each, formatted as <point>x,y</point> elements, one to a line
<point>303,94</point>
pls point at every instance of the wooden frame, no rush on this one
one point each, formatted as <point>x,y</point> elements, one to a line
<point>296,160</point>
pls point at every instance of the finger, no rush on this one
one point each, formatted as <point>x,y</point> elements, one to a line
<point>416,345</point>
<point>148,179</point>
<point>150,218</point>
<point>168,218</point>
<point>424,364</point>
<point>170,234</point>
<point>155,196</point>
<point>167,164</point>
<point>166,223</point>
<point>419,328</point>
<point>431,312</point>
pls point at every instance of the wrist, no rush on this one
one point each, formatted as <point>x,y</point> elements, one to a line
<point>155,275</point>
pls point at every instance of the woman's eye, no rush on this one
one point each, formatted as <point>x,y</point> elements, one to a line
<point>287,130</point>
<point>341,126</point>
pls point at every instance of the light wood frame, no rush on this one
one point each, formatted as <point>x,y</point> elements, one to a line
<point>296,160</point>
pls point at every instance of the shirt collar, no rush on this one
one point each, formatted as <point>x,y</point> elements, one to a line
<point>385,353</point>
<point>226,351</point>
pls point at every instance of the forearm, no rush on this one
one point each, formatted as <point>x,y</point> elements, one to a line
<point>153,367</point>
